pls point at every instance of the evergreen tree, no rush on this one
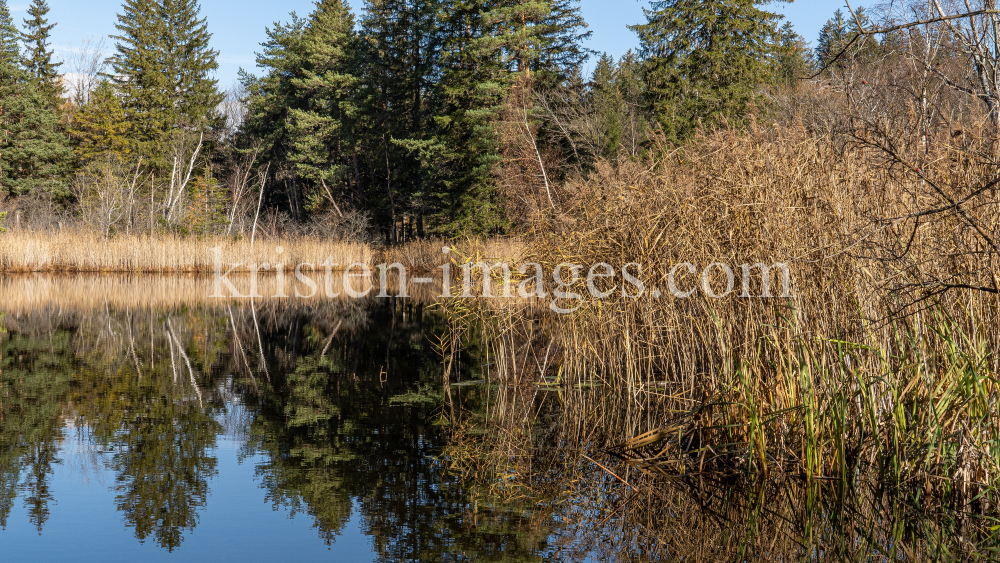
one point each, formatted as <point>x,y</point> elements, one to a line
<point>190,64</point>
<point>38,57</point>
<point>459,154</point>
<point>608,106</point>
<point>321,124</point>
<point>534,35</point>
<point>400,44</point>
<point>832,38</point>
<point>162,69</point>
<point>270,99</point>
<point>706,60</point>
<point>140,74</point>
<point>101,126</point>
<point>792,56</point>
<point>10,52</point>
<point>34,154</point>
<point>839,31</point>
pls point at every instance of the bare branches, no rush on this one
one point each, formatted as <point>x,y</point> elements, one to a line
<point>179,181</point>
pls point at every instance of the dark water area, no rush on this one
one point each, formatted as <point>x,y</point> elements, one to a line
<point>168,427</point>
<point>235,433</point>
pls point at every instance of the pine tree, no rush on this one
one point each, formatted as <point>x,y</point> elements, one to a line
<point>533,35</point>
<point>706,60</point>
<point>38,58</point>
<point>321,126</point>
<point>101,126</point>
<point>271,98</point>
<point>162,68</point>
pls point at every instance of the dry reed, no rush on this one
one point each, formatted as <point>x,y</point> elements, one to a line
<point>851,375</point>
<point>86,251</point>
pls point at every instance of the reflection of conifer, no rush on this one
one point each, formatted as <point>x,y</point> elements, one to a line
<point>35,376</point>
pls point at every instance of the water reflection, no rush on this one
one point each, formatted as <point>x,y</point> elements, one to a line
<point>343,411</point>
<point>337,402</point>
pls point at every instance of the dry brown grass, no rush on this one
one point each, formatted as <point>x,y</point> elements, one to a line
<point>426,256</point>
<point>86,251</point>
<point>852,372</point>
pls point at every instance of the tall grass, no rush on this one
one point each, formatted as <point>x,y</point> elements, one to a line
<point>81,250</point>
<point>857,375</point>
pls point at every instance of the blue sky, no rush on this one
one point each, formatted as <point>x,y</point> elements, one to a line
<point>238,25</point>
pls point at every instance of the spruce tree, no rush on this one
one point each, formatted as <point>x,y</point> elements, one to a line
<point>162,68</point>
<point>190,63</point>
<point>38,58</point>
<point>10,51</point>
<point>608,106</point>
<point>706,60</point>
<point>562,52</point>
<point>34,153</point>
<point>791,56</point>
<point>400,42</point>
<point>461,152</point>
<point>832,38</point>
<point>840,31</point>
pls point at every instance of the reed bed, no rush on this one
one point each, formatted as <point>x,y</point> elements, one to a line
<point>862,373</point>
<point>428,255</point>
<point>80,250</point>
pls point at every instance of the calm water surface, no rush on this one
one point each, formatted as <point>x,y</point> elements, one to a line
<point>141,421</point>
<point>234,432</point>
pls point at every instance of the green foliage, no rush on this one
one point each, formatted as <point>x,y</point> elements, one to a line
<point>542,36</point>
<point>792,57</point>
<point>840,30</point>
<point>321,123</point>
<point>162,70</point>
<point>272,96</point>
<point>833,36</point>
<point>35,377</point>
<point>10,51</point>
<point>34,153</point>
<point>399,117</point>
<point>38,58</point>
<point>3,227</point>
<point>101,126</point>
<point>706,61</point>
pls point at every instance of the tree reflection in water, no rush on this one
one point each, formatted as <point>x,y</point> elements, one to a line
<point>342,407</point>
<point>341,401</point>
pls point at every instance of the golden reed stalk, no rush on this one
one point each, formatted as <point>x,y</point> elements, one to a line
<point>85,251</point>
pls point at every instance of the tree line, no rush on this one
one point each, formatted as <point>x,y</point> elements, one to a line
<point>410,119</point>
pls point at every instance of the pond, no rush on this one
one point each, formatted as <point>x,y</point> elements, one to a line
<point>142,421</point>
